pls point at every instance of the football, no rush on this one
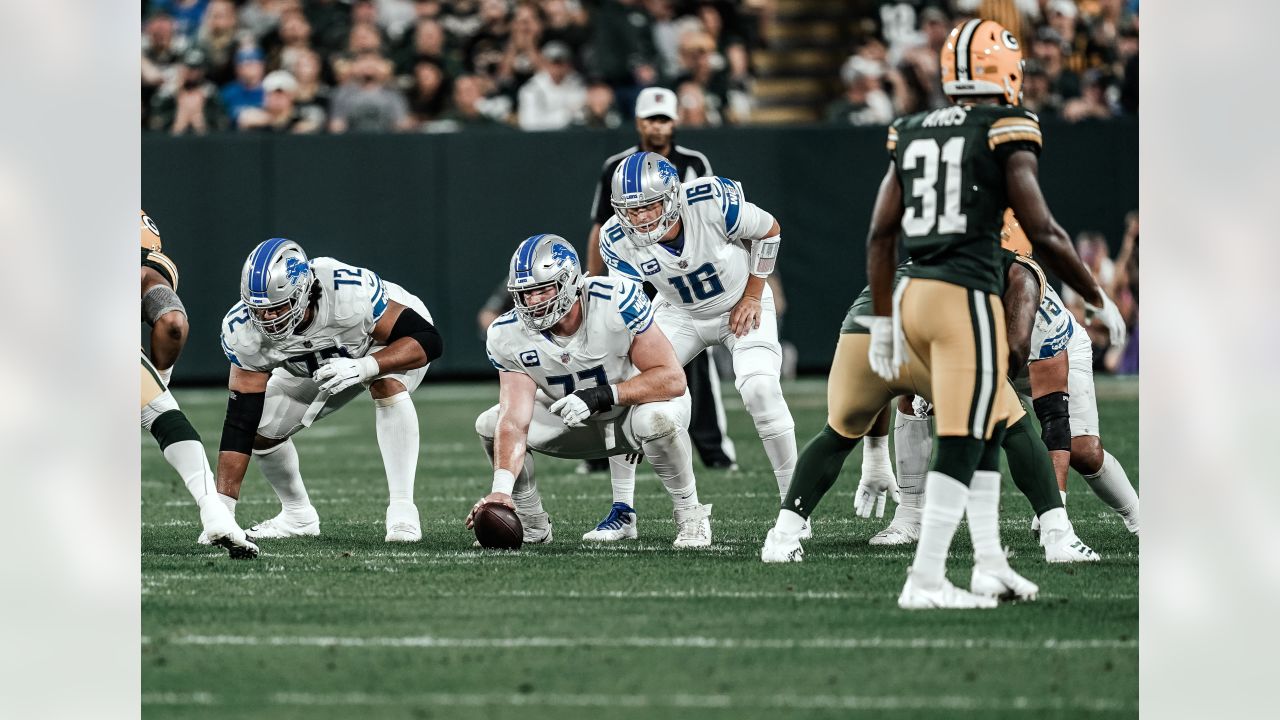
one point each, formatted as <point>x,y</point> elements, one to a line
<point>497,527</point>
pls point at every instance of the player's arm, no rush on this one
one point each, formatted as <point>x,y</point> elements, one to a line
<point>244,413</point>
<point>516,392</point>
<point>411,342</point>
<point>1051,242</point>
<point>761,235</point>
<point>163,310</point>
<point>661,377</point>
<point>882,242</point>
<point>1021,299</point>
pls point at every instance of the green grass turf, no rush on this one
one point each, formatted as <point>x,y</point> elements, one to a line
<point>345,625</point>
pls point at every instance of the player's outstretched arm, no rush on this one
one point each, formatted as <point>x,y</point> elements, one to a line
<point>162,308</point>
<point>516,393</point>
<point>1021,300</point>
<point>244,412</point>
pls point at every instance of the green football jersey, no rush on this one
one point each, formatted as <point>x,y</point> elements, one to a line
<point>951,166</point>
<point>862,306</point>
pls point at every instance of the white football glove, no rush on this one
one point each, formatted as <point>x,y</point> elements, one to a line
<point>885,354</point>
<point>571,409</point>
<point>339,374</point>
<point>1110,316</point>
<point>872,492</point>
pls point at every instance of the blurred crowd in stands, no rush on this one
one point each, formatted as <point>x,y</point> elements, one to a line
<point>1118,276</point>
<point>1081,57</point>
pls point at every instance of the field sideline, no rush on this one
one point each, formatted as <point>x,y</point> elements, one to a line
<point>346,625</point>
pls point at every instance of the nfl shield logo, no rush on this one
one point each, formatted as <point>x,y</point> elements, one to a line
<point>684,264</point>
<point>564,358</point>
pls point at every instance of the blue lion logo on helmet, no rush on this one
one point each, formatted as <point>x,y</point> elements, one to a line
<point>294,269</point>
<point>667,172</point>
<point>563,252</point>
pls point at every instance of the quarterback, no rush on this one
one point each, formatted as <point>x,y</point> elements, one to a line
<point>306,338</point>
<point>585,373</point>
<point>708,252</point>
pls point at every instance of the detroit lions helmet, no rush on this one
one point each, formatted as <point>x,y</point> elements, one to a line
<point>539,262</point>
<point>643,179</point>
<point>276,277</point>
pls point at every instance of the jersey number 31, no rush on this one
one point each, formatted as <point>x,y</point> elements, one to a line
<point>925,152</point>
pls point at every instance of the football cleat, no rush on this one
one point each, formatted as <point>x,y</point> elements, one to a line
<point>1001,583</point>
<point>899,532</point>
<point>1064,546</point>
<point>303,523</point>
<point>403,523</point>
<point>806,532</point>
<point>537,528</point>
<point>944,597</point>
<point>693,527</point>
<point>619,524</point>
<point>1035,527</point>
<point>220,529</point>
<point>781,547</point>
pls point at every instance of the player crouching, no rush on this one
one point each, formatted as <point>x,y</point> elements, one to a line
<point>584,373</point>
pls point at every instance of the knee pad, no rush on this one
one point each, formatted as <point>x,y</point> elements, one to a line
<point>762,396</point>
<point>163,403</point>
<point>1054,413</point>
<point>654,422</point>
<point>487,423</point>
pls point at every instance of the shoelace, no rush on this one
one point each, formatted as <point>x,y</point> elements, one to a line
<point>614,520</point>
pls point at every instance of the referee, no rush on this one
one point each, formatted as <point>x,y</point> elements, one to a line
<point>656,124</point>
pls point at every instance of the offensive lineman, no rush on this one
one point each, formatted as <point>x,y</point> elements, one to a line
<point>307,337</point>
<point>708,252</point>
<point>584,373</point>
<point>162,309</point>
<point>941,333</point>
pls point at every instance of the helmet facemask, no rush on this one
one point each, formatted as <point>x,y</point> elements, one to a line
<point>545,314</point>
<point>650,231</point>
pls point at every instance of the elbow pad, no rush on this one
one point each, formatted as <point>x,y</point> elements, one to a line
<point>244,412</point>
<point>764,255</point>
<point>412,325</point>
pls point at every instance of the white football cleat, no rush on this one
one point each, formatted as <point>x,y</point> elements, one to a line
<point>220,529</point>
<point>403,523</point>
<point>1001,583</point>
<point>944,597</point>
<point>619,524</point>
<point>303,523</point>
<point>782,547</point>
<point>1066,547</point>
<point>806,532</point>
<point>537,528</point>
<point>693,527</point>
<point>1035,527</point>
<point>899,532</point>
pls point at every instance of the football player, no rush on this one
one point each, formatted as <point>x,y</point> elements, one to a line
<point>162,309</point>
<point>306,338</point>
<point>940,333</point>
<point>708,252</point>
<point>584,372</point>
<point>1059,380</point>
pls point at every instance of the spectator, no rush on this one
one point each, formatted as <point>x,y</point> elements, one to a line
<point>1048,51</point>
<point>703,66</point>
<point>192,106</point>
<point>312,97</point>
<point>1063,18</point>
<point>429,91</point>
<point>246,90</point>
<point>427,40</point>
<point>1092,103</point>
<point>666,35</point>
<point>217,38</point>
<point>462,19</point>
<point>364,103</point>
<point>396,17</point>
<point>293,36</point>
<point>261,17</point>
<point>467,97</point>
<point>278,113</point>
<point>720,21</point>
<point>330,24</point>
<point>486,48</point>
<point>364,37</point>
<point>919,66</point>
<point>555,94</point>
<point>186,15</point>
<point>599,112</point>
<point>567,24</point>
<point>693,105</point>
<point>1036,95</point>
<point>520,59</point>
<point>865,101</point>
<point>161,51</point>
<point>622,50</point>
<point>1124,290</point>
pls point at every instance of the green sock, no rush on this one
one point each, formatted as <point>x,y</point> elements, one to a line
<point>1030,466</point>
<point>817,469</point>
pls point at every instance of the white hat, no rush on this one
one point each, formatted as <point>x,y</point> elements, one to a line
<point>279,80</point>
<point>1063,7</point>
<point>857,66</point>
<point>656,101</point>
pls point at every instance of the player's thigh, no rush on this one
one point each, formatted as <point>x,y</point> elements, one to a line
<point>293,403</point>
<point>150,386</point>
<point>1082,398</point>
<point>550,436</point>
<point>681,329</point>
<point>655,420</point>
<point>855,394</point>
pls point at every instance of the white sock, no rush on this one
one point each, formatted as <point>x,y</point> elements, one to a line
<point>983,511</point>
<point>1063,493</point>
<point>188,458</point>
<point>524,494</point>
<point>623,476</point>
<point>397,425</point>
<point>781,451</point>
<point>875,453</point>
<point>280,466</point>
<point>1111,485</point>
<point>229,502</point>
<point>789,522</point>
<point>944,504</point>
<point>672,461</point>
<point>913,447</point>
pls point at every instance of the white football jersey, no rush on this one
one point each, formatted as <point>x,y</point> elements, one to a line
<point>351,302</point>
<point>707,275</point>
<point>615,310</point>
<point>1053,327</point>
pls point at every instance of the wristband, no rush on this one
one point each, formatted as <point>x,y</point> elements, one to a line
<point>503,482</point>
<point>598,399</point>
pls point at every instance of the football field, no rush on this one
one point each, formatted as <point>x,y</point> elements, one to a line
<point>347,626</point>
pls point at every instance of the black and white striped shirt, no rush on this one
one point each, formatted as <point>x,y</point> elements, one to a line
<point>689,163</point>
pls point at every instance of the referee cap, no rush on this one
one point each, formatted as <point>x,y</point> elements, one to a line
<point>655,101</point>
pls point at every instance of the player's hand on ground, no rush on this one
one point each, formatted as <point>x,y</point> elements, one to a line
<point>571,409</point>
<point>1110,316</point>
<point>338,374</point>
<point>872,492</point>
<point>745,316</point>
<point>497,497</point>
<point>884,353</point>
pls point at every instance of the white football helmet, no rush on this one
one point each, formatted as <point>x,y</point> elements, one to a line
<point>541,261</point>
<point>640,180</point>
<point>276,276</point>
